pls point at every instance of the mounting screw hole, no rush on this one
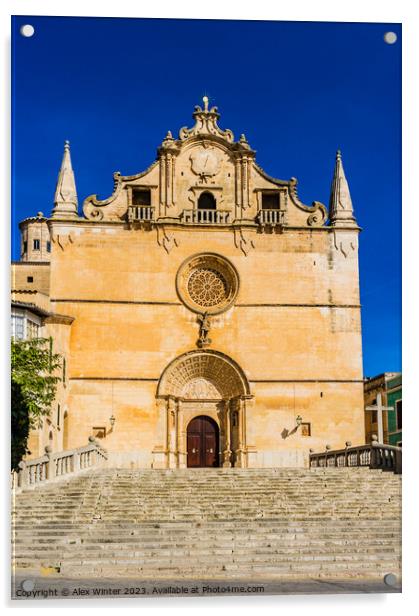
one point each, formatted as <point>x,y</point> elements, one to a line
<point>28,585</point>
<point>390,38</point>
<point>390,579</point>
<point>27,30</point>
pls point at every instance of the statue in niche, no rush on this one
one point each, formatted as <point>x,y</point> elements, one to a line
<point>204,328</point>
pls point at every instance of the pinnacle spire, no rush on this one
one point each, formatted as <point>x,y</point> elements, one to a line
<point>65,200</point>
<point>341,212</point>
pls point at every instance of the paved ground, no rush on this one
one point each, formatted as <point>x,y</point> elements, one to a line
<point>28,586</point>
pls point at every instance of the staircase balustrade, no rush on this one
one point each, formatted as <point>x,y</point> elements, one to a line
<point>375,455</point>
<point>53,466</point>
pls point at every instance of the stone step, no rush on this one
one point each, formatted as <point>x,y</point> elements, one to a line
<point>212,522</point>
<point>219,558</point>
<point>194,553</point>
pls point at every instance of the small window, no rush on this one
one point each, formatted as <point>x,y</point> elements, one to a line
<point>18,327</point>
<point>306,429</point>
<point>29,279</point>
<point>270,201</point>
<point>99,432</point>
<point>32,329</point>
<point>25,247</point>
<point>64,370</point>
<point>37,244</point>
<point>48,246</point>
<point>207,201</point>
<point>58,415</point>
<point>399,414</point>
<point>141,196</point>
<point>373,417</point>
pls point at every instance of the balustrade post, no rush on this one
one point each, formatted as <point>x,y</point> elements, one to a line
<point>310,459</point>
<point>50,464</point>
<point>374,462</point>
<point>23,479</point>
<point>327,448</point>
<point>76,461</point>
<point>347,444</point>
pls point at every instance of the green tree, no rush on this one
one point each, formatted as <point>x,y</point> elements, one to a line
<point>34,384</point>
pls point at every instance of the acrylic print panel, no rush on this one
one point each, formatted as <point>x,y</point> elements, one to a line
<point>196,409</point>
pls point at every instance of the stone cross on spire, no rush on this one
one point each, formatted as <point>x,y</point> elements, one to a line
<point>65,200</point>
<point>341,212</point>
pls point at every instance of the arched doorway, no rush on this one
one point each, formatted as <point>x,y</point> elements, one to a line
<point>203,440</point>
<point>206,384</point>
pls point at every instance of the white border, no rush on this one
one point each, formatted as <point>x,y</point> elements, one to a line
<point>297,10</point>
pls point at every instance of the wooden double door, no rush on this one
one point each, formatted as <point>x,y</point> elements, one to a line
<point>203,440</point>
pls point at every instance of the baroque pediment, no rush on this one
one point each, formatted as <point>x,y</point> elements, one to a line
<point>205,166</point>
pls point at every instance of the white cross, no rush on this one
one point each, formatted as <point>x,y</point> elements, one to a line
<point>379,408</point>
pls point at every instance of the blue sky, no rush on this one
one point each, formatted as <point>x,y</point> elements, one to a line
<point>298,90</point>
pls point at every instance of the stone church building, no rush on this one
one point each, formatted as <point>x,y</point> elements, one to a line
<point>205,315</point>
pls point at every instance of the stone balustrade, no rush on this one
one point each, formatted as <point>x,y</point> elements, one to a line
<point>375,455</point>
<point>271,217</point>
<point>205,217</point>
<point>140,213</point>
<point>54,466</point>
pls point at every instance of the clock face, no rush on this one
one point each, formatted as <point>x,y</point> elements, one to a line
<point>205,162</point>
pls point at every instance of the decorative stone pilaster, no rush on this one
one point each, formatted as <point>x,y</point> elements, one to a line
<point>167,161</point>
<point>171,419</point>
<point>240,452</point>
<point>227,435</point>
<point>182,454</point>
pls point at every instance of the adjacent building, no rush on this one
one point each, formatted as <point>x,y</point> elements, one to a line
<point>389,386</point>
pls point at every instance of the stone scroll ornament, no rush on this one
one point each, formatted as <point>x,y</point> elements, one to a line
<point>317,211</point>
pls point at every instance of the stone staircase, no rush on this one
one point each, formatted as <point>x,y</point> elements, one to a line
<point>212,523</point>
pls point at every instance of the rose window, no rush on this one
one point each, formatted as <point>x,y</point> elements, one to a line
<point>207,283</point>
<point>207,287</point>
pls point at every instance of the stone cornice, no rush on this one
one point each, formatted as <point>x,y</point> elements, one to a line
<point>176,223</point>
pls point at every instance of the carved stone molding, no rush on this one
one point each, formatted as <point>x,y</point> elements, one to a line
<point>216,368</point>
<point>62,239</point>
<point>243,243</point>
<point>206,124</point>
<point>205,162</point>
<point>200,389</point>
<point>344,243</point>
<point>166,240</point>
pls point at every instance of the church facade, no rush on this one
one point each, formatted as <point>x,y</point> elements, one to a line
<point>207,317</point>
